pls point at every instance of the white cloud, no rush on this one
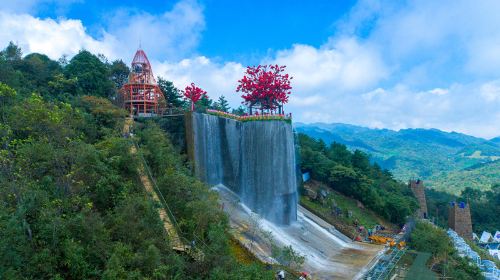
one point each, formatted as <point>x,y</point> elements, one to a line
<point>420,64</point>
<point>399,106</point>
<point>168,35</point>
<point>50,37</point>
<point>391,64</point>
<point>442,32</point>
<point>439,91</point>
<point>173,34</point>
<point>491,91</point>
<point>216,78</point>
<point>308,101</point>
<point>345,64</point>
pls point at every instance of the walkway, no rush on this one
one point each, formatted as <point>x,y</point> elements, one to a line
<point>174,238</point>
<point>385,265</point>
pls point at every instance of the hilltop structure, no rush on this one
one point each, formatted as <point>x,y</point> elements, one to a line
<point>459,219</point>
<point>141,94</point>
<point>417,187</point>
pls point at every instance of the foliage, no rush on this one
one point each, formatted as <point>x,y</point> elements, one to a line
<point>266,85</point>
<point>195,207</point>
<point>222,104</point>
<point>445,161</point>
<point>193,94</point>
<point>66,199</point>
<point>247,118</point>
<point>119,72</point>
<point>288,257</point>
<point>12,52</point>
<point>352,174</point>
<point>107,117</point>
<point>70,203</point>
<point>480,177</point>
<point>240,111</point>
<point>91,75</point>
<point>484,206</point>
<point>342,221</point>
<point>426,237</point>
<point>172,94</point>
<point>7,95</point>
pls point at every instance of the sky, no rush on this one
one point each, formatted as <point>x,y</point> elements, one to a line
<point>376,63</point>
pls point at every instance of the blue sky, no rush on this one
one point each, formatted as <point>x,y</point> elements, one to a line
<point>377,63</point>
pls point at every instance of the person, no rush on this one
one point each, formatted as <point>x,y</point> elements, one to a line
<point>280,275</point>
<point>303,276</point>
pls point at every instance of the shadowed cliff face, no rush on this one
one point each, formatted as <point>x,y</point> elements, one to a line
<point>256,160</point>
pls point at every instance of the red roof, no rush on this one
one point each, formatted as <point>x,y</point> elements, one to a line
<point>140,58</point>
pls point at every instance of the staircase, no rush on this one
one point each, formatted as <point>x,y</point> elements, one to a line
<point>148,184</point>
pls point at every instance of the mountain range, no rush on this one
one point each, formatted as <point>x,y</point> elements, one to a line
<point>448,161</point>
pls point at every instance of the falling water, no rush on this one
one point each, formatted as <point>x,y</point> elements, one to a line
<point>253,167</point>
<point>255,159</point>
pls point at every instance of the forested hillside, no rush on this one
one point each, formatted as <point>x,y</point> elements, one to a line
<point>447,161</point>
<point>352,174</point>
<point>71,205</point>
<point>484,207</point>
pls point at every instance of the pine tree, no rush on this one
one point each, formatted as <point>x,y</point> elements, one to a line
<point>172,94</point>
<point>222,104</point>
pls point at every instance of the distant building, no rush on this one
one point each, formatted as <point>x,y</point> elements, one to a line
<point>417,187</point>
<point>491,243</point>
<point>486,237</point>
<point>459,219</point>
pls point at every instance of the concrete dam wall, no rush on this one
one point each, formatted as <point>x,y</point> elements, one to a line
<point>254,159</point>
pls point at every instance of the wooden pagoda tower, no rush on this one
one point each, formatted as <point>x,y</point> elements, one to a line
<point>141,95</point>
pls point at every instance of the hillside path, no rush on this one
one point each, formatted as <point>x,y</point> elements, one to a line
<point>148,186</point>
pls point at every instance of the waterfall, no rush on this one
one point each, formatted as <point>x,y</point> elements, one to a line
<point>254,159</point>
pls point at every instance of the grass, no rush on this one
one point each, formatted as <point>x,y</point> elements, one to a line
<point>241,253</point>
<point>264,117</point>
<point>343,223</point>
<point>418,270</point>
<point>483,253</point>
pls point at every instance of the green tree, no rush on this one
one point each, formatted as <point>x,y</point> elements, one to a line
<point>38,70</point>
<point>426,237</point>
<point>471,194</point>
<point>204,103</point>
<point>119,72</point>
<point>172,94</point>
<point>240,111</point>
<point>70,203</point>
<point>61,88</point>
<point>7,95</point>
<point>12,52</point>
<point>92,75</point>
<point>222,104</point>
<point>429,238</point>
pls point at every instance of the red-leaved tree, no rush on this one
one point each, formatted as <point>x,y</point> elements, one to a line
<point>266,86</point>
<point>193,93</point>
